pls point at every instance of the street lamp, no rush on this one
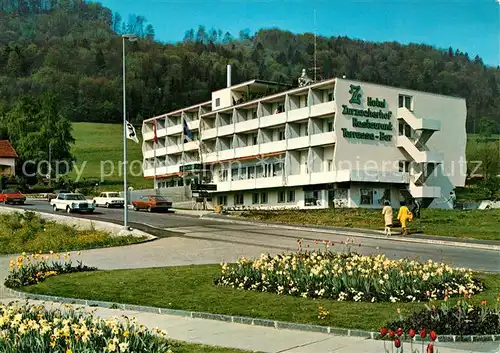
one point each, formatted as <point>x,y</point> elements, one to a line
<point>131,38</point>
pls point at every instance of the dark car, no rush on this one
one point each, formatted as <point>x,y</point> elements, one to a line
<point>12,196</point>
<point>152,203</point>
<point>53,195</point>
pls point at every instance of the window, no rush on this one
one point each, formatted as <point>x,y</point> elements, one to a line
<point>366,196</point>
<point>252,139</point>
<point>329,165</point>
<point>234,174</point>
<point>243,173</point>
<point>217,102</point>
<point>238,199</point>
<point>263,197</point>
<point>312,198</point>
<point>330,96</point>
<point>222,200</point>
<point>180,182</point>
<point>329,125</point>
<point>278,169</point>
<point>281,135</point>
<point>255,198</point>
<point>223,175</point>
<point>281,197</point>
<point>406,101</point>
<point>404,166</point>
<point>264,171</point>
<point>290,196</point>
<point>251,172</point>
<point>254,114</point>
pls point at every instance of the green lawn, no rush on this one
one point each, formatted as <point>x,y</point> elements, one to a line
<point>182,347</point>
<point>29,232</point>
<point>96,143</point>
<point>192,288</point>
<point>478,224</point>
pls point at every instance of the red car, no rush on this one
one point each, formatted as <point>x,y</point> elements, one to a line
<point>152,203</point>
<point>12,196</point>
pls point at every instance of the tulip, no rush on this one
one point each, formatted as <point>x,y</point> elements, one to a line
<point>399,332</point>
<point>412,333</point>
<point>433,335</point>
<point>391,333</point>
<point>423,333</point>
<point>484,302</point>
<point>383,332</point>
<point>430,348</point>
<point>397,343</point>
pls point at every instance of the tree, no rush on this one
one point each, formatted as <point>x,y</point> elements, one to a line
<point>117,22</point>
<point>228,37</point>
<point>244,34</point>
<point>487,127</point>
<point>150,32</point>
<point>100,61</point>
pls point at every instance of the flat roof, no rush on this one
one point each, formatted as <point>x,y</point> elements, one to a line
<point>191,107</point>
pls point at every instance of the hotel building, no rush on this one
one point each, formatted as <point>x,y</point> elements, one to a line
<point>334,143</point>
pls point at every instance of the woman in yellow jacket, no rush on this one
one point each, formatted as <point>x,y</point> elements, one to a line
<point>404,215</point>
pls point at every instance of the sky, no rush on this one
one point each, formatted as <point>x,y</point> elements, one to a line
<point>473,26</point>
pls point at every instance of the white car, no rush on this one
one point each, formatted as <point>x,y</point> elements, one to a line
<point>72,203</point>
<point>109,199</point>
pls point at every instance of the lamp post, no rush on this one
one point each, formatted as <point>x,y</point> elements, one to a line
<point>131,38</point>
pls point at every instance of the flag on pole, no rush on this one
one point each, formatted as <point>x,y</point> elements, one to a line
<point>155,135</point>
<point>131,134</point>
<point>188,136</point>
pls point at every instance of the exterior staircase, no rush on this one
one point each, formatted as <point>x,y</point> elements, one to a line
<point>413,143</point>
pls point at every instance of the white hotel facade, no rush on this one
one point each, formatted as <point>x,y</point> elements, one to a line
<point>334,143</point>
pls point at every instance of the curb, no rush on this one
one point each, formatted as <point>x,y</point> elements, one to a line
<point>241,319</point>
<point>360,234</point>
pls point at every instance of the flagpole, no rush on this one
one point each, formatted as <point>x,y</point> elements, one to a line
<point>155,145</point>
<point>125,189</point>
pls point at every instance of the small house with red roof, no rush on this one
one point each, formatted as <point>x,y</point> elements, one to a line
<point>8,158</point>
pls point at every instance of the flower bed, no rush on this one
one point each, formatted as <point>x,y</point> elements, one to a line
<point>26,270</point>
<point>348,277</point>
<point>460,319</point>
<point>28,329</point>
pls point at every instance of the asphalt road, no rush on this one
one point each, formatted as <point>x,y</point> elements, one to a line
<point>204,240</point>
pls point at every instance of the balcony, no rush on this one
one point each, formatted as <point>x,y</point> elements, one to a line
<point>210,157</point>
<point>244,184</point>
<point>323,177</point>
<point>225,186</point>
<point>147,136</point>
<point>191,146</point>
<point>171,169</point>
<point>275,146</point>
<point>273,182</point>
<point>325,138</point>
<point>298,114</point>
<point>298,179</point>
<point>193,125</point>
<point>272,120</point>
<point>226,130</point>
<point>149,153</point>
<point>161,151</point>
<point>322,109</point>
<point>173,130</point>
<point>161,132</point>
<point>226,154</point>
<point>298,143</point>
<point>247,125</point>
<point>246,151</point>
<point>425,191</point>
<point>173,149</point>
<point>209,134</point>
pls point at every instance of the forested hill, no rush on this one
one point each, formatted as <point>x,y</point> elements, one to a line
<point>73,49</point>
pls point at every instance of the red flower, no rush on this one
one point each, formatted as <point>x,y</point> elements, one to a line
<point>430,348</point>
<point>383,332</point>
<point>423,333</point>
<point>397,343</point>
<point>433,335</point>
<point>484,302</point>
<point>399,332</point>
<point>391,333</point>
<point>412,333</point>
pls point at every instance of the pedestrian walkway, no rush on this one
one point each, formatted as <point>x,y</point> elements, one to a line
<point>264,339</point>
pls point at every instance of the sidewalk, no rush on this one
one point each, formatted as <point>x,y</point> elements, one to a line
<point>265,339</point>
<point>358,232</point>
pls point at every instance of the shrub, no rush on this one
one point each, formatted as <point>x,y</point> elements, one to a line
<point>459,319</point>
<point>28,329</point>
<point>33,269</point>
<point>348,277</point>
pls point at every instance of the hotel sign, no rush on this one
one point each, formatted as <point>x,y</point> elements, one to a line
<point>382,116</point>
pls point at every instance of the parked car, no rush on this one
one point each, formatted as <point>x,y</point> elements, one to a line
<point>12,196</point>
<point>109,199</point>
<point>53,195</point>
<point>152,203</point>
<point>72,203</point>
